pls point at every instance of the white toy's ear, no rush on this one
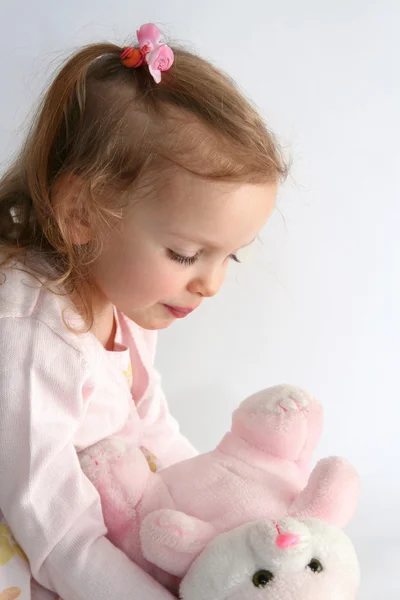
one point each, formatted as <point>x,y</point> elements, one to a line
<point>331,494</point>
<point>172,540</point>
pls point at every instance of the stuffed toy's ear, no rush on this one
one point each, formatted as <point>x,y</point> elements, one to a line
<point>172,540</point>
<point>331,494</point>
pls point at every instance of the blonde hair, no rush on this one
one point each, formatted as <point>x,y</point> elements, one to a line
<point>113,127</point>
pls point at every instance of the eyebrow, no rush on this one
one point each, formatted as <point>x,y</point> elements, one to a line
<point>204,242</point>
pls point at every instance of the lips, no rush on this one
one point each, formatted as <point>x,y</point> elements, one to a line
<point>178,312</point>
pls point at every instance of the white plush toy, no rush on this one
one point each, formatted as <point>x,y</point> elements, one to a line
<point>247,521</point>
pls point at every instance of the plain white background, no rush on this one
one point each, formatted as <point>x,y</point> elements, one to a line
<point>317,302</point>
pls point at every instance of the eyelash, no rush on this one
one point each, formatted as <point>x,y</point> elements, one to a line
<point>190,260</point>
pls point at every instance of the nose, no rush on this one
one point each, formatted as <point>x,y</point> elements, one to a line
<point>207,284</point>
<point>287,540</point>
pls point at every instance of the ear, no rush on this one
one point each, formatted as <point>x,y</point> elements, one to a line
<point>331,494</point>
<point>172,540</point>
<point>71,210</point>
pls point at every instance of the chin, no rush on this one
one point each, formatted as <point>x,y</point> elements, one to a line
<point>151,324</point>
<point>155,326</point>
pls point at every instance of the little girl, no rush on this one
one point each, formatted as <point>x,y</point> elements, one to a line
<point>143,175</point>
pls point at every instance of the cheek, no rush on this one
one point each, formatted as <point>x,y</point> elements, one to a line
<point>155,278</point>
<point>142,276</point>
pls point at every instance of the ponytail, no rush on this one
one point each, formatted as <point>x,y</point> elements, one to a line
<point>26,214</point>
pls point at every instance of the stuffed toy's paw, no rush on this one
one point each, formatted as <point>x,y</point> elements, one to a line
<point>283,420</point>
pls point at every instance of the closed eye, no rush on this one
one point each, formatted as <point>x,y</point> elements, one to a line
<point>190,260</point>
<point>182,260</point>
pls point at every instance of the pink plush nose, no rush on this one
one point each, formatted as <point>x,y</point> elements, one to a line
<point>287,540</point>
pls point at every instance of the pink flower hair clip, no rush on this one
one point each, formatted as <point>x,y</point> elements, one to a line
<point>158,57</point>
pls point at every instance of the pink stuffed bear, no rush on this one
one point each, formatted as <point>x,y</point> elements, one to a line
<point>245,521</point>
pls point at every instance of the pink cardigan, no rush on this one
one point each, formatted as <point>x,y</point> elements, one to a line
<point>61,392</point>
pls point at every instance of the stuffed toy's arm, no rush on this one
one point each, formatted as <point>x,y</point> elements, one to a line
<point>172,540</point>
<point>331,494</point>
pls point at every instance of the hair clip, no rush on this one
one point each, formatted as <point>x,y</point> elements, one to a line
<point>158,57</point>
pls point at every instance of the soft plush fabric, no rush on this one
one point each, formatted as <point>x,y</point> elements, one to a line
<point>249,505</point>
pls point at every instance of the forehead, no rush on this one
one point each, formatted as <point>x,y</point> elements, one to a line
<point>216,211</point>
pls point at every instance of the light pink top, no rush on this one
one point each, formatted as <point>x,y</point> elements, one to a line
<point>60,393</point>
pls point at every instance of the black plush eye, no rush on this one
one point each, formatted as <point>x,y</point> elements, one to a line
<point>315,566</point>
<point>262,578</point>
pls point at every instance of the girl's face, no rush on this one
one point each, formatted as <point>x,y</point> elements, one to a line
<point>167,255</point>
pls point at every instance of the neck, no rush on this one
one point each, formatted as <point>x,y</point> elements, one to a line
<point>104,326</point>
